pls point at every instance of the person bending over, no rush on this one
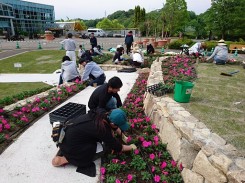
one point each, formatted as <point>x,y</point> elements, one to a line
<point>220,54</point>
<point>197,49</point>
<point>69,72</point>
<point>106,96</point>
<point>92,72</point>
<point>117,59</point>
<point>80,142</point>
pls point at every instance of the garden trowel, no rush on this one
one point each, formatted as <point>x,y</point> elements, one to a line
<point>228,74</point>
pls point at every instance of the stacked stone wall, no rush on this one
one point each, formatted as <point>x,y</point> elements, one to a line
<point>205,156</point>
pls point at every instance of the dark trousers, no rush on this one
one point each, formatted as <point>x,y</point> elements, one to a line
<point>71,80</point>
<point>128,47</point>
<point>99,80</point>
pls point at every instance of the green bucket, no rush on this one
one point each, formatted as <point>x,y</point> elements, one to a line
<point>182,91</point>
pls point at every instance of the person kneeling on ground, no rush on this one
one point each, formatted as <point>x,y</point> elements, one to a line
<point>106,96</point>
<point>97,50</point>
<point>149,49</point>
<point>220,54</point>
<point>117,59</point>
<point>92,72</point>
<point>69,72</point>
<point>137,57</point>
<point>197,49</point>
<point>80,142</point>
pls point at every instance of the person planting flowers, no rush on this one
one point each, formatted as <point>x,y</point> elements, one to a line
<point>80,142</point>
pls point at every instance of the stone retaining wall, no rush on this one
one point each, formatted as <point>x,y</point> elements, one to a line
<point>205,156</point>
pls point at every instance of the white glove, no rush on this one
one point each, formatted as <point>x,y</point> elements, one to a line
<point>133,146</point>
<point>124,138</point>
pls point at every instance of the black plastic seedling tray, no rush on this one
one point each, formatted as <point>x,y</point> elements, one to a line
<point>67,112</point>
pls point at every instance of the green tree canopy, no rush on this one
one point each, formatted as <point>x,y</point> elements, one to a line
<point>108,24</point>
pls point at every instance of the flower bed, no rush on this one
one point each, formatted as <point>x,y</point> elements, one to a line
<point>178,68</point>
<point>13,122</point>
<point>150,162</point>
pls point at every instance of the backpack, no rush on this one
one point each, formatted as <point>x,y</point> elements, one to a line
<point>59,128</point>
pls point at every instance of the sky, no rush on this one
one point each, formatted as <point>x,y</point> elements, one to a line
<point>93,9</point>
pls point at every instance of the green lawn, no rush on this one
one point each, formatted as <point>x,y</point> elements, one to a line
<point>219,102</point>
<point>10,89</point>
<point>40,61</point>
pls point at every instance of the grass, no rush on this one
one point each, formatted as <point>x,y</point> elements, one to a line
<point>40,61</point>
<point>10,89</point>
<point>219,102</point>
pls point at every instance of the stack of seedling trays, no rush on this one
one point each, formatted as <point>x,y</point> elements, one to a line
<point>67,112</point>
<point>158,89</point>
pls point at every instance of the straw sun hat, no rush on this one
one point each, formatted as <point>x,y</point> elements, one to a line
<point>221,42</point>
<point>136,49</point>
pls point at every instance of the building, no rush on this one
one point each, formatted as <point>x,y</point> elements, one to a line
<point>22,17</point>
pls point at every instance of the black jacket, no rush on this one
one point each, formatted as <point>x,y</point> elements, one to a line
<point>100,97</point>
<point>80,142</point>
<point>93,41</point>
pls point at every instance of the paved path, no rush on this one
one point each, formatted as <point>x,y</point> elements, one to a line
<point>28,159</point>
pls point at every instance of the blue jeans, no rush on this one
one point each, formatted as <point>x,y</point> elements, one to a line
<point>218,61</point>
<point>112,103</point>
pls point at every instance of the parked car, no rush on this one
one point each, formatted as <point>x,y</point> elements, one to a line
<point>17,38</point>
<point>97,32</point>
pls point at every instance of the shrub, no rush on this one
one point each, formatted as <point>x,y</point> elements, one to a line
<point>177,44</point>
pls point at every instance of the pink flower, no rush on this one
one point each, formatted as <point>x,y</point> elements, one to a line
<point>153,126</point>
<point>152,169</point>
<point>165,173</point>
<point>37,100</point>
<point>102,170</point>
<point>1,127</point>
<point>1,110</point>
<point>24,119</point>
<point>147,119</point>
<point>46,101</point>
<point>129,139</point>
<point>180,166</point>
<point>115,160</point>
<point>7,126</point>
<point>118,181</point>
<point>69,90</point>
<point>152,156</point>
<point>132,125</point>
<point>163,165</point>
<point>24,109</point>
<point>146,144</point>
<point>4,121</point>
<point>156,138</point>
<point>136,151</point>
<point>173,163</point>
<point>141,139</point>
<point>130,177</point>
<point>157,178</point>
<point>35,109</point>
<point>123,162</point>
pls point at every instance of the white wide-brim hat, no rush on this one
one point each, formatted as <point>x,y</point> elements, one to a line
<point>221,42</point>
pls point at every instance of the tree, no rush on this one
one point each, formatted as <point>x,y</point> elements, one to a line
<point>226,16</point>
<point>108,24</point>
<point>176,15</point>
<point>79,25</point>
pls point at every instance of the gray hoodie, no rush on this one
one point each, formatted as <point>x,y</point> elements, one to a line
<point>220,52</point>
<point>69,70</point>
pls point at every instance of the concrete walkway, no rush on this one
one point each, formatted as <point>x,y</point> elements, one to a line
<point>28,159</point>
